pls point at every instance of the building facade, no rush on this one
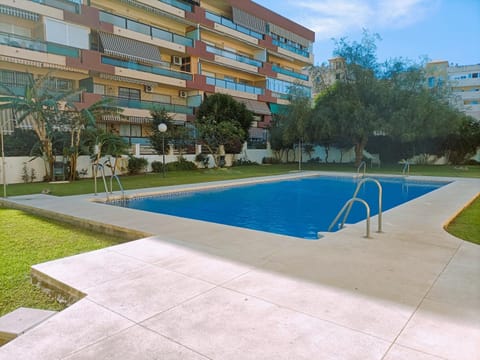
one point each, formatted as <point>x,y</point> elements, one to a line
<point>148,54</point>
<point>463,84</point>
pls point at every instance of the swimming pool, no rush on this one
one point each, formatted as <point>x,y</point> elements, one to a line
<point>301,207</point>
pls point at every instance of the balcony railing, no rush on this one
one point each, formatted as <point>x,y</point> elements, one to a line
<point>291,48</point>
<point>178,4</point>
<point>289,73</point>
<point>230,24</point>
<point>146,68</point>
<point>226,84</point>
<point>233,56</point>
<point>145,29</point>
<point>37,45</point>
<point>149,105</point>
<point>68,5</point>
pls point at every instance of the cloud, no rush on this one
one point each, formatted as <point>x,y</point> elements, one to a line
<point>335,18</point>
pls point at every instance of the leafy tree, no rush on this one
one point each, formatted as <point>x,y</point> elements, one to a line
<point>222,120</point>
<point>178,135</point>
<point>42,107</point>
<point>373,98</point>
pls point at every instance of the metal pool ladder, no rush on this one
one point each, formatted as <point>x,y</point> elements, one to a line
<point>406,168</point>
<point>102,171</point>
<point>348,207</point>
<point>364,164</point>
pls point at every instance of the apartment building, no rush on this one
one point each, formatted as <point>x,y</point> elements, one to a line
<point>148,54</point>
<point>463,83</point>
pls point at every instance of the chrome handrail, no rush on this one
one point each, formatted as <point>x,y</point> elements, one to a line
<point>406,168</point>
<point>364,164</point>
<point>349,204</point>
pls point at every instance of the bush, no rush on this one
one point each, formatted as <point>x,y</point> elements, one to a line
<point>270,160</point>
<point>137,165</point>
<point>181,164</point>
<point>243,162</point>
<point>157,166</point>
<point>203,159</point>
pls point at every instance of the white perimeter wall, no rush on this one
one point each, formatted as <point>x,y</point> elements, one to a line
<point>14,165</point>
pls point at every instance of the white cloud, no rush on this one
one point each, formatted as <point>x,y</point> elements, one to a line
<point>334,18</point>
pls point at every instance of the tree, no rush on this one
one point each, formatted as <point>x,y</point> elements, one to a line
<point>178,135</point>
<point>85,120</point>
<point>373,98</point>
<point>42,107</point>
<point>222,120</point>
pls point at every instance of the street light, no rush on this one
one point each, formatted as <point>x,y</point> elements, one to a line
<point>162,128</point>
<point>4,175</point>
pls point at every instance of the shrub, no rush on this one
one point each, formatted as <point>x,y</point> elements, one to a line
<point>243,162</point>
<point>203,159</point>
<point>270,160</point>
<point>181,164</point>
<point>137,165</point>
<point>157,166</point>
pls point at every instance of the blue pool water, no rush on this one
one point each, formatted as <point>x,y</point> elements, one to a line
<point>299,207</point>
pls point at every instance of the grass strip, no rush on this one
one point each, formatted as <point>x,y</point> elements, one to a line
<point>26,240</point>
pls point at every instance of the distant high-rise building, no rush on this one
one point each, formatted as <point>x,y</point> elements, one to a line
<point>463,83</point>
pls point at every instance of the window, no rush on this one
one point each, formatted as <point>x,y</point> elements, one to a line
<point>124,129</point>
<point>66,34</point>
<point>475,75</point>
<point>99,89</point>
<point>136,130</point>
<point>59,84</point>
<point>128,93</point>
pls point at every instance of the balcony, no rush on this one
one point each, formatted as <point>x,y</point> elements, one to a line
<point>146,68</point>
<point>149,105</point>
<point>73,6</point>
<point>226,84</point>
<point>178,4</point>
<point>148,30</point>
<point>37,45</point>
<point>233,56</point>
<point>289,73</point>
<point>291,48</point>
<point>230,24</point>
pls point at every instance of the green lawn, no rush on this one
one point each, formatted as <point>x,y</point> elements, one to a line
<point>467,224</point>
<point>186,177</point>
<point>26,240</point>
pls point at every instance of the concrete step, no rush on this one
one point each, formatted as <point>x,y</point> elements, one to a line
<point>21,320</point>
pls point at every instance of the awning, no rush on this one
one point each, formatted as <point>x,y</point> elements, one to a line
<point>22,14</point>
<point>249,21</point>
<point>6,121</point>
<point>278,108</point>
<point>289,35</point>
<point>126,119</point>
<point>130,49</point>
<point>257,107</point>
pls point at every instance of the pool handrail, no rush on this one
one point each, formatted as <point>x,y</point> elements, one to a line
<point>347,204</point>
<point>364,164</point>
<point>406,169</point>
<point>380,201</point>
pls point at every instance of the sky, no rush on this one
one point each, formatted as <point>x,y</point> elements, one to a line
<point>410,29</point>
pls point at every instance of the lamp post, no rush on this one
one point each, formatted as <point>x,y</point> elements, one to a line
<point>162,128</point>
<point>4,175</point>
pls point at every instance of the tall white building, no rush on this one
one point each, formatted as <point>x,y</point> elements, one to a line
<point>464,82</point>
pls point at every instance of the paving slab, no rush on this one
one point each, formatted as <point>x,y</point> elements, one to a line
<point>80,325</point>
<point>223,324</point>
<point>136,343</point>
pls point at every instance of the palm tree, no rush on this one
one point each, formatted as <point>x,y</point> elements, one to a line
<point>42,108</point>
<point>85,120</point>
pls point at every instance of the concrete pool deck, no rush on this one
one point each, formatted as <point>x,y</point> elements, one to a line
<point>197,290</point>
